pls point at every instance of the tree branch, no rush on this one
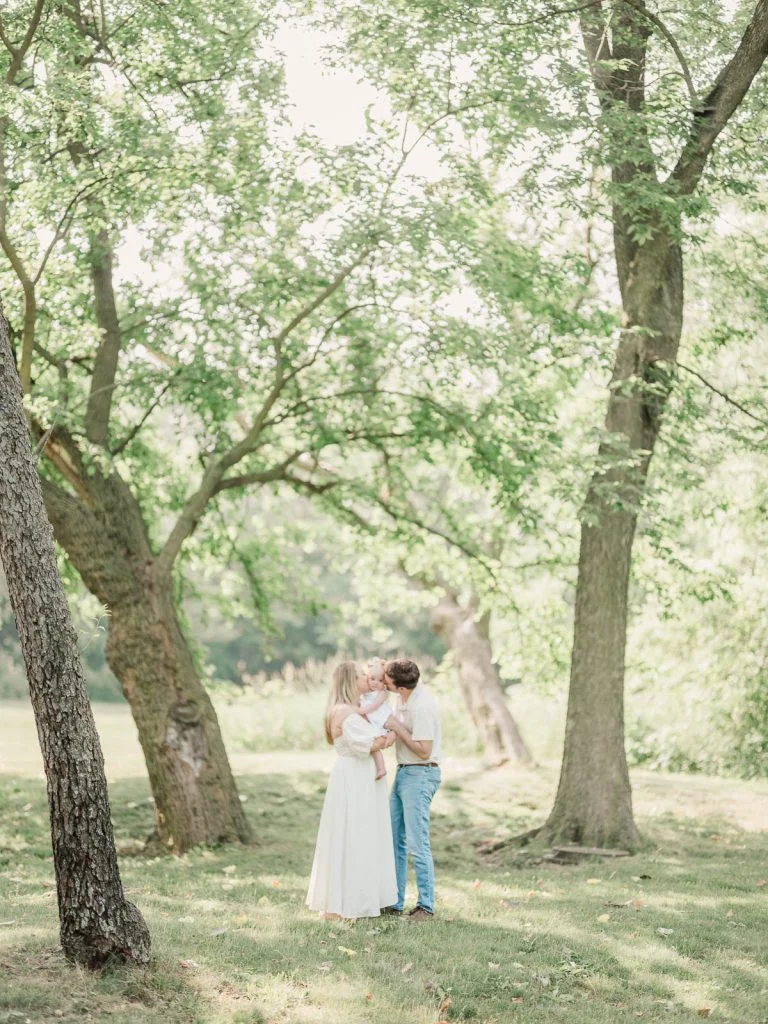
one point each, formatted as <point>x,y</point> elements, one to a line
<point>722,100</point>
<point>722,394</point>
<point>594,31</point>
<point>249,442</point>
<point>327,333</point>
<point>12,255</point>
<point>304,404</point>
<point>100,255</point>
<point>63,226</point>
<point>554,12</point>
<point>5,40</point>
<point>399,514</point>
<point>189,517</point>
<point>27,284</point>
<point>656,20</point>
<point>333,286</point>
<point>19,53</point>
<point>323,295</point>
<point>135,429</point>
<point>310,485</point>
<point>396,514</point>
<point>63,454</point>
<point>105,364</point>
<point>262,476</point>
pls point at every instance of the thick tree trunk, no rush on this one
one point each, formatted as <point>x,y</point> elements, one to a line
<point>593,806</point>
<point>196,800</point>
<point>97,922</point>
<point>467,637</point>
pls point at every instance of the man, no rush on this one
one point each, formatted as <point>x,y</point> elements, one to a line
<point>416,724</point>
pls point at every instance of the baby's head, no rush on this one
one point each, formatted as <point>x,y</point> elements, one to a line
<point>376,673</point>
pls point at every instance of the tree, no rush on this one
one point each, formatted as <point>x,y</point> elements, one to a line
<point>300,335</point>
<point>466,632</point>
<point>593,801</point>
<point>433,545</point>
<point>654,136</point>
<point>96,517</point>
<point>97,922</point>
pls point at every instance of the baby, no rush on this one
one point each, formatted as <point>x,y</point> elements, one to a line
<point>374,705</point>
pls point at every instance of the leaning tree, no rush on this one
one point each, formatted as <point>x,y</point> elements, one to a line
<point>603,107</point>
<point>422,546</point>
<point>206,299</point>
<point>465,578</point>
<point>98,924</point>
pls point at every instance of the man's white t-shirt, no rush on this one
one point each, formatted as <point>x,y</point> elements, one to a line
<point>419,714</point>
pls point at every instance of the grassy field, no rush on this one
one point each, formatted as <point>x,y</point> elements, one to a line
<point>677,932</point>
<point>256,724</point>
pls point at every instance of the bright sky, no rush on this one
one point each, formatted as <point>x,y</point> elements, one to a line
<point>329,100</point>
<point>332,101</point>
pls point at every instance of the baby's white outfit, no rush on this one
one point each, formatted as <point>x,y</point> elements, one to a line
<point>377,717</point>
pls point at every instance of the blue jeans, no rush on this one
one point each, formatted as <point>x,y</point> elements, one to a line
<point>409,804</point>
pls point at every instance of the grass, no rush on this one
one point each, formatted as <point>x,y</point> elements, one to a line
<point>255,725</point>
<point>666,935</point>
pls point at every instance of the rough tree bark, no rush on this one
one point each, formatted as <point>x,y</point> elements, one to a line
<point>593,805</point>
<point>100,525</point>
<point>196,800</point>
<point>467,637</point>
<point>98,520</point>
<point>97,922</point>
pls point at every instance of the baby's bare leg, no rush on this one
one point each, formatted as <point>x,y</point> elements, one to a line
<point>378,760</point>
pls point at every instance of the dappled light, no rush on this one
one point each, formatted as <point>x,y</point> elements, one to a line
<point>233,940</point>
<point>383,493</point>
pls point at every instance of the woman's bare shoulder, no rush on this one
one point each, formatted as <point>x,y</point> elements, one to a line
<point>340,712</point>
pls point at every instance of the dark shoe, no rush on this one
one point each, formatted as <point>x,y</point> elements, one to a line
<point>420,914</point>
<point>391,912</point>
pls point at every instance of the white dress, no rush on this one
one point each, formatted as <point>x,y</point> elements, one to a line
<point>353,873</point>
<point>379,715</point>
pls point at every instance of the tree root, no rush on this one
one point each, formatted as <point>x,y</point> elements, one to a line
<point>491,846</point>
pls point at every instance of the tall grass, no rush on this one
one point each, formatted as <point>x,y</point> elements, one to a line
<point>284,711</point>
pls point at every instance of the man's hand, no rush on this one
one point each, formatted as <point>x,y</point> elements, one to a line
<point>421,748</point>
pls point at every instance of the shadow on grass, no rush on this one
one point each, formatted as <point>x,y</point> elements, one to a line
<point>513,941</point>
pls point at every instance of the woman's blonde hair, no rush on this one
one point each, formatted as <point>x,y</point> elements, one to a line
<point>343,691</point>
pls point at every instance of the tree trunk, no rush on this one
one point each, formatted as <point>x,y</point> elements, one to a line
<point>593,805</point>
<point>97,922</point>
<point>467,638</point>
<point>196,800</point>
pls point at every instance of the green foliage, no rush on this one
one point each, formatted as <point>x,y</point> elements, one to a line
<point>90,623</point>
<point>418,346</point>
<point>330,318</point>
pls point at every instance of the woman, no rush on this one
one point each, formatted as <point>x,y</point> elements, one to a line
<point>353,874</point>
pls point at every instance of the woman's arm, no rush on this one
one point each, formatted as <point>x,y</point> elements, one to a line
<point>339,713</point>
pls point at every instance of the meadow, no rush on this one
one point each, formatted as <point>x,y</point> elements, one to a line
<point>676,932</point>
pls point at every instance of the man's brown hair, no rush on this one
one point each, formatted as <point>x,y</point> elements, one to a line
<point>403,672</point>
